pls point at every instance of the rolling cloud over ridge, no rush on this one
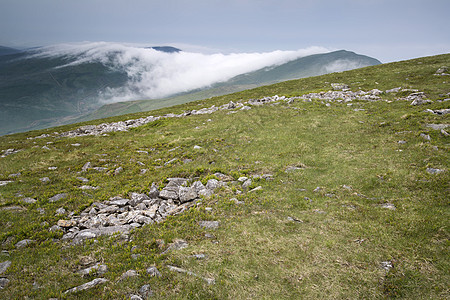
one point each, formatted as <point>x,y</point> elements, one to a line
<point>156,74</point>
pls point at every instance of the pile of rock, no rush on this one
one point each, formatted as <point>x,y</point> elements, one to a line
<point>344,95</point>
<point>121,215</point>
<point>417,98</point>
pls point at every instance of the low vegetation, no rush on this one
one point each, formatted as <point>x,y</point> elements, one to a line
<point>363,214</point>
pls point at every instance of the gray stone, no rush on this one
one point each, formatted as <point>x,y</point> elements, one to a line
<point>176,180</point>
<point>3,282</point>
<point>88,187</point>
<point>100,169</point>
<point>247,184</point>
<point>118,170</point>
<point>86,166</point>
<point>169,192</point>
<point>435,171</point>
<point>154,192</point>
<point>55,228</point>
<point>153,271</point>
<point>58,197</point>
<point>437,126</point>
<point>44,179</point>
<point>128,274</point>
<point>87,285</point>
<point>388,206</point>
<point>256,189</point>
<point>14,175</point>
<point>82,179</point>
<point>339,86</point>
<point>98,269</point>
<point>386,265</point>
<point>209,224</point>
<point>24,243</point>
<point>212,184</point>
<point>180,270</point>
<point>60,211</point>
<point>29,200</point>
<point>426,136</point>
<point>205,193</point>
<point>119,202</point>
<point>187,194</point>
<point>198,186</point>
<point>5,182</point>
<point>137,198</point>
<point>4,266</point>
<point>145,291</point>
<point>135,297</point>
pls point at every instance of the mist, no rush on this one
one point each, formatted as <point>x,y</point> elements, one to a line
<point>154,74</point>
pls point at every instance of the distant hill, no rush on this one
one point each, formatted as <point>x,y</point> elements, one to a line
<point>312,65</point>
<point>167,49</point>
<point>8,51</point>
<point>41,88</point>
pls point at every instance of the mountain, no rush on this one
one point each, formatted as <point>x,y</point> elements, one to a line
<point>55,85</point>
<point>317,193</point>
<point>312,65</point>
<point>167,49</point>
<point>302,67</point>
<point>8,51</point>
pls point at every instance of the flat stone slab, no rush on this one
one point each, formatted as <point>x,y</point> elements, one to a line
<point>209,224</point>
<point>87,285</point>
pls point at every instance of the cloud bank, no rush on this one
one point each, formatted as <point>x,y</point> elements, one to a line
<point>153,74</point>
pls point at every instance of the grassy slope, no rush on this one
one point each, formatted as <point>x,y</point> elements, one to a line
<point>259,253</point>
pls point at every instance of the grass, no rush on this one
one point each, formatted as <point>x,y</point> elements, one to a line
<point>334,251</point>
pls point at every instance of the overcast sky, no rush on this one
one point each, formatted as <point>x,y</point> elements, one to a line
<point>388,30</point>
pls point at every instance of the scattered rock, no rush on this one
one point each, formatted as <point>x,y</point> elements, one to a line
<point>339,86</point>
<point>180,270</point>
<point>60,211</point>
<point>437,126</point>
<point>87,285</point>
<point>4,266</point>
<point>97,269</point>
<point>197,147</point>
<point>425,136</point>
<point>44,179</point>
<point>145,291</point>
<point>118,170</point>
<point>86,167</point>
<point>135,297</point>
<point>28,200</point>
<point>442,71</point>
<point>3,282</point>
<point>388,206</point>
<point>58,197</point>
<point>66,223</point>
<point>153,271</point>
<point>24,243</point>
<point>128,274</point>
<point>209,224</point>
<point>387,265</point>
<point>5,182</point>
<point>435,171</point>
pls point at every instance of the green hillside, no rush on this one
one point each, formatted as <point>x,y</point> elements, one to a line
<point>307,66</point>
<point>297,196</point>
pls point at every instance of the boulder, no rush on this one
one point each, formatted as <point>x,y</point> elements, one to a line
<point>187,194</point>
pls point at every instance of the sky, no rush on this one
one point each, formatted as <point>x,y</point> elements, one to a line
<point>389,30</point>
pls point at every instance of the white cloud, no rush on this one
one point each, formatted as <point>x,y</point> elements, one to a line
<point>155,74</point>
